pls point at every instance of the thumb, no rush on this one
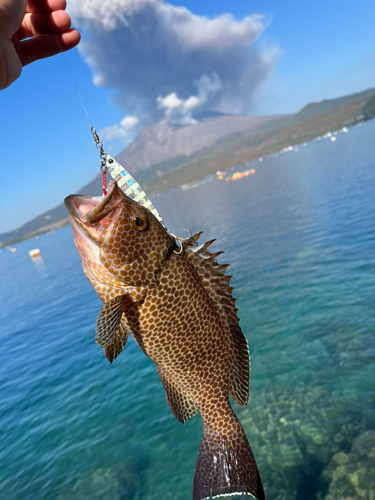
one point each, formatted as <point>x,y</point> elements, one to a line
<point>10,64</point>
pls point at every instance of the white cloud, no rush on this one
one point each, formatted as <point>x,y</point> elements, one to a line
<point>149,49</point>
<point>176,110</point>
<point>171,101</point>
<point>129,122</point>
<point>207,87</point>
<point>191,103</point>
<point>126,128</point>
<point>180,111</point>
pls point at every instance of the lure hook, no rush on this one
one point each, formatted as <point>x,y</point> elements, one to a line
<point>181,247</point>
<point>181,241</point>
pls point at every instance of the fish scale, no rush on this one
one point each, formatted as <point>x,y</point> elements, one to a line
<point>178,306</point>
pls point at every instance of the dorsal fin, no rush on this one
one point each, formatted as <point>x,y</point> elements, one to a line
<point>217,285</point>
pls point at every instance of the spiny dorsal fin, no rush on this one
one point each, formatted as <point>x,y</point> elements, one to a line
<point>180,404</point>
<point>192,240</point>
<point>208,243</point>
<point>216,283</point>
<point>215,255</point>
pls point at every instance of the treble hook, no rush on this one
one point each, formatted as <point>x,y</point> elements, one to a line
<point>190,234</point>
<point>180,241</point>
<point>181,249</point>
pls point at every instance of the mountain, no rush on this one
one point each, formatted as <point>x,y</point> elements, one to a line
<point>164,141</point>
<point>317,108</point>
<point>165,156</point>
<point>48,221</point>
<point>162,144</point>
<point>270,137</point>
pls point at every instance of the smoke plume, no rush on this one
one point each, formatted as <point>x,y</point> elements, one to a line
<point>168,63</point>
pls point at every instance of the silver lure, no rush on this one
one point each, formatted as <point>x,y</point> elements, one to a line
<point>130,186</point>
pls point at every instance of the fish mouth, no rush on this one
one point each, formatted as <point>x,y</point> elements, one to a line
<point>88,212</point>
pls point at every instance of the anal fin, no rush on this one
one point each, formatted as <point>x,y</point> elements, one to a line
<point>180,404</point>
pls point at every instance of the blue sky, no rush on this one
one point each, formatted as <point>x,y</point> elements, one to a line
<point>315,51</point>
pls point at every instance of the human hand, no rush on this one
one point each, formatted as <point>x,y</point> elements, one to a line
<point>28,31</point>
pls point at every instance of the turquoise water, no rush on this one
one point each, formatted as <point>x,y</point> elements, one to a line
<point>300,237</point>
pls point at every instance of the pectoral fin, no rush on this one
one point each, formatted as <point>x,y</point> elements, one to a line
<point>110,332</point>
<point>120,338</point>
<point>108,320</point>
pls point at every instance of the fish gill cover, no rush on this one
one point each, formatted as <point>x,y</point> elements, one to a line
<point>176,302</point>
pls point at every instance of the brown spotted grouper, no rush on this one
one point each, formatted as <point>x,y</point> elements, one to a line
<point>177,304</point>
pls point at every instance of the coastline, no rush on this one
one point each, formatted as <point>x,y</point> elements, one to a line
<point>235,154</point>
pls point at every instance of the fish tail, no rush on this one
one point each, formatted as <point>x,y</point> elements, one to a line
<point>225,463</point>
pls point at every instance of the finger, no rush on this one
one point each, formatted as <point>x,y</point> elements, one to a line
<point>45,5</point>
<point>42,24</point>
<point>13,67</point>
<point>44,46</point>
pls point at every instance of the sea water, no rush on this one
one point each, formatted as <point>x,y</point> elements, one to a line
<point>300,237</point>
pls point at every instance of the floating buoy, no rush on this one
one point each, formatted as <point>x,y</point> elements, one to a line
<point>239,175</point>
<point>34,254</point>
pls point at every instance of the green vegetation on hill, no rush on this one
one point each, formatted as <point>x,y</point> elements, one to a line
<point>270,138</point>
<point>369,108</point>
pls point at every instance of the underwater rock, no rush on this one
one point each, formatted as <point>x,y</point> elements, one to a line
<point>292,431</point>
<point>351,475</point>
<point>122,481</point>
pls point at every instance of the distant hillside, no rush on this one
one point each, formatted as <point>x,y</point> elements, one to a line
<point>164,141</point>
<point>167,156</point>
<point>48,221</point>
<point>369,108</point>
<point>317,108</point>
<point>264,141</point>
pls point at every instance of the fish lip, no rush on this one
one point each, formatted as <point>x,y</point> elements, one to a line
<point>89,225</point>
<point>104,207</point>
<point>90,200</point>
<point>78,218</point>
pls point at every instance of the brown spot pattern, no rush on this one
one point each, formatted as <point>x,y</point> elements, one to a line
<point>180,311</point>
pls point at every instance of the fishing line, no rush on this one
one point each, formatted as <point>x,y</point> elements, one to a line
<point>72,77</point>
<point>98,143</point>
<point>74,83</point>
<point>126,182</point>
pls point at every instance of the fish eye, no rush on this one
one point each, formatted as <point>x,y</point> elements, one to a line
<point>139,222</point>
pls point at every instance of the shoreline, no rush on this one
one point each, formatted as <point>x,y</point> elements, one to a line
<point>196,171</point>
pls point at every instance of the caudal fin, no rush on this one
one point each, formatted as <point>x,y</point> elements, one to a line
<point>225,466</point>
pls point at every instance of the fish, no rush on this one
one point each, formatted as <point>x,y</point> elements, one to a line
<point>173,297</point>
